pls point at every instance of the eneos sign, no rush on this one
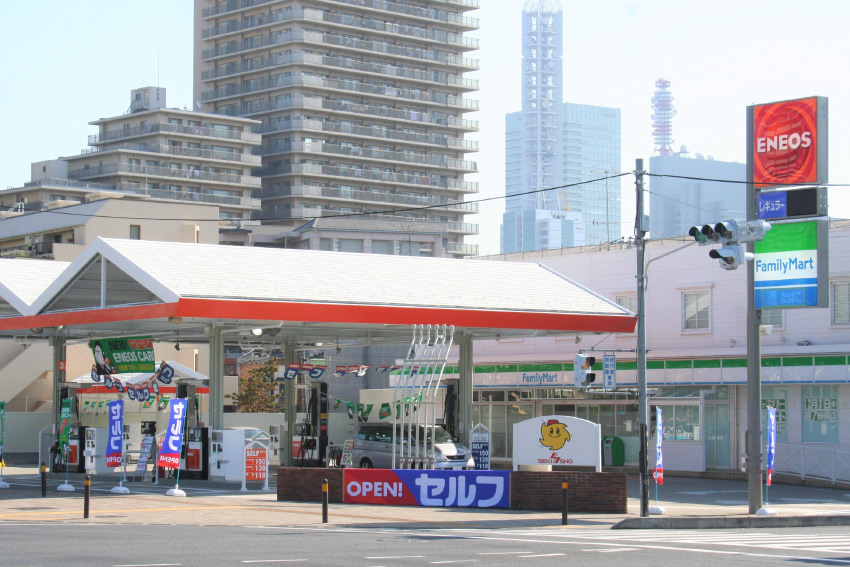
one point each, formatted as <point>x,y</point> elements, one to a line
<point>789,142</point>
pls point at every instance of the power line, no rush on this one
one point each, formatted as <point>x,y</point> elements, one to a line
<point>350,215</point>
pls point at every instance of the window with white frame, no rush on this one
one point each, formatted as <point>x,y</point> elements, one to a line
<point>773,317</point>
<point>840,303</point>
<point>628,302</point>
<point>696,310</point>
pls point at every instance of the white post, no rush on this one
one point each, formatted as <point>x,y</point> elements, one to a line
<point>266,482</point>
<point>244,467</point>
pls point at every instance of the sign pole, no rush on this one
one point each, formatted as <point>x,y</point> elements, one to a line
<point>753,438</point>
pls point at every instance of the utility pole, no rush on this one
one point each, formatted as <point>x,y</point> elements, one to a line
<point>641,228</point>
<point>753,437</point>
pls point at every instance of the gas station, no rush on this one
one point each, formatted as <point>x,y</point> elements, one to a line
<point>210,294</point>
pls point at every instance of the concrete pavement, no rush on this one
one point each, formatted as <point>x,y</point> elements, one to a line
<point>690,503</point>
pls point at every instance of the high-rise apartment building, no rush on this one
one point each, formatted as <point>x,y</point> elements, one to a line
<point>172,154</point>
<point>361,105</point>
<point>549,144</point>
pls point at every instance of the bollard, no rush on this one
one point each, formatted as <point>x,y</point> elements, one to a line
<point>43,480</point>
<point>86,496</point>
<point>564,502</point>
<point>325,501</point>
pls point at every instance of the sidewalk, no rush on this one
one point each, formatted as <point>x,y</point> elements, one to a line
<point>216,503</point>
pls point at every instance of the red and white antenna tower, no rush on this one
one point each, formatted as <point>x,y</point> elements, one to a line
<point>662,118</point>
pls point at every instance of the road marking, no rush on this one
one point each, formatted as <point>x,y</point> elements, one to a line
<point>397,557</point>
<point>454,561</point>
<point>149,565</point>
<point>541,555</point>
<point>619,549</point>
<point>503,552</point>
<point>271,560</point>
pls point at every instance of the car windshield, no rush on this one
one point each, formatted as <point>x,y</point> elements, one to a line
<point>440,435</point>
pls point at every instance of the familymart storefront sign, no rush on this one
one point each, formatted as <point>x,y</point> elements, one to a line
<point>791,266</point>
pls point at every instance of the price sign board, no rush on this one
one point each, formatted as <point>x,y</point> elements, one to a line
<point>256,463</point>
<point>480,446</point>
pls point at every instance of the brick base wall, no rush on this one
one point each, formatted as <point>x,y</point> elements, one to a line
<point>304,484</point>
<point>587,492</point>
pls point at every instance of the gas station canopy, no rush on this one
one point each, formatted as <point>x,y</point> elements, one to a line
<point>177,291</point>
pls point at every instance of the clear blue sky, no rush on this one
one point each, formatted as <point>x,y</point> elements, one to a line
<point>67,63</point>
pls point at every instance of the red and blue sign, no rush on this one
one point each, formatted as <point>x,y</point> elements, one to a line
<point>169,455</point>
<point>417,487</point>
<point>115,444</point>
<point>659,436</point>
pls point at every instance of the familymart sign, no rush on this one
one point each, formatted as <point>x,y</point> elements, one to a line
<point>791,266</point>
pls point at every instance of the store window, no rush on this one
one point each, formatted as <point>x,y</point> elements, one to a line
<point>696,311</point>
<point>841,303</point>
<point>776,397</point>
<point>681,422</point>
<point>820,414</point>
<point>773,317</point>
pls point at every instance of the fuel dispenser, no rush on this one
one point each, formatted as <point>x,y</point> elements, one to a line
<point>227,451</point>
<point>94,453</point>
<point>76,440</point>
<point>310,444</point>
<point>274,444</point>
<point>197,461</point>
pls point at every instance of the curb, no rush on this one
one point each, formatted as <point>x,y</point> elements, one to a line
<point>720,522</point>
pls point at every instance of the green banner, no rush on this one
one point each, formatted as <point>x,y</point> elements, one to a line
<point>123,355</point>
<point>789,237</point>
<point>65,422</point>
<point>2,424</point>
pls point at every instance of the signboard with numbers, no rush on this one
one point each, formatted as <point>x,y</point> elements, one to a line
<point>821,410</point>
<point>479,441</point>
<point>256,462</point>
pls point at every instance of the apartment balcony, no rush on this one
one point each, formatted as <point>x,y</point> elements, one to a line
<point>462,186</point>
<point>383,156</point>
<point>245,203</point>
<point>461,249</point>
<point>435,98</point>
<point>182,151</point>
<point>463,227</point>
<point>231,6</point>
<point>358,110</point>
<point>391,29</point>
<point>166,128</point>
<point>373,133</point>
<point>434,15</point>
<point>152,171</point>
<point>361,196</point>
<point>34,250</point>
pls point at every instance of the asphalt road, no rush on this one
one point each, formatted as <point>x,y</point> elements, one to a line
<point>94,545</point>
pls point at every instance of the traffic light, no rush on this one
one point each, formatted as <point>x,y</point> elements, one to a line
<point>731,233</point>
<point>581,370</point>
<point>731,256</point>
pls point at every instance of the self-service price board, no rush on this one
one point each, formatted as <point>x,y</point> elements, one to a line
<point>256,462</point>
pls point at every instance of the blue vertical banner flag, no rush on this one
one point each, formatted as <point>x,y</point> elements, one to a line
<point>659,435</point>
<point>115,445</point>
<point>169,455</point>
<point>771,443</point>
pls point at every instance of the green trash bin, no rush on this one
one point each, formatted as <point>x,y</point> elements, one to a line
<point>613,452</point>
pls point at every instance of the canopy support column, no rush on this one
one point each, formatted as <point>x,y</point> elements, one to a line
<point>216,364</point>
<point>464,389</point>
<point>289,401</point>
<point>58,344</point>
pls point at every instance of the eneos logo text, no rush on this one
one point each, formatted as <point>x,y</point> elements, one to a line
<point>785,143</point>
